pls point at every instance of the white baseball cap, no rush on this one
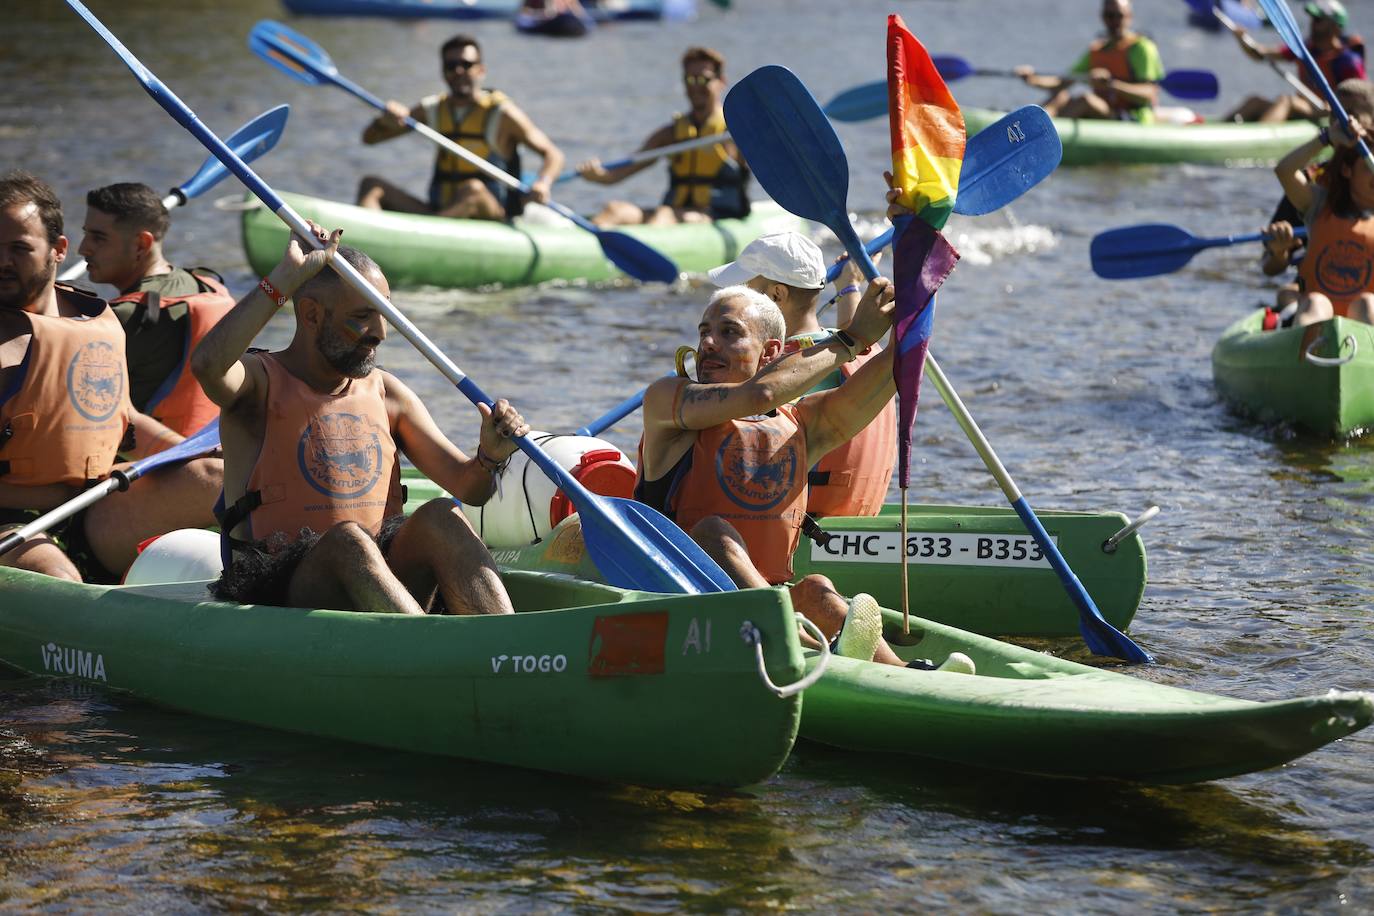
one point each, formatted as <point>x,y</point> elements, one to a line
<point>784,257</point>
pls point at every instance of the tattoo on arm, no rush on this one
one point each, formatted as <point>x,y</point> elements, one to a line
<point>695,393</point>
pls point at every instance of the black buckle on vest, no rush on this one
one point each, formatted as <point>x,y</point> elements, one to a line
<point>231,516</point>
<point>812,529</point>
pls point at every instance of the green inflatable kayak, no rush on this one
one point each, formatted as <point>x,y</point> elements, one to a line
<point>971,567</point>
<point>433,251</point>
<point>1319,378</point>
<point>586,680</point>
<point>1089,142</point>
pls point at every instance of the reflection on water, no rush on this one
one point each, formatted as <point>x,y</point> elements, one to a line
<point>1096,395</point>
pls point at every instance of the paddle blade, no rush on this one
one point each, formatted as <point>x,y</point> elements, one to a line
<point>1241,14</point>
<point>290,52</point>
<point>1006,159</point>
<point>206,440</point>
<point>949,67</point>
<point>634,546</point>
<point>636,258</point>
<point>1191,84</point>
<point>790,146</point>
<point>862,103</point>
<point>1142,251</point>
<point>250,141</point>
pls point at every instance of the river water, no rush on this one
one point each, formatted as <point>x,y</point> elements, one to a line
<point>1097,395</point>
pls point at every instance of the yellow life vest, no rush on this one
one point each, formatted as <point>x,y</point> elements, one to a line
<point>706,178</point>
<point>474,128</point>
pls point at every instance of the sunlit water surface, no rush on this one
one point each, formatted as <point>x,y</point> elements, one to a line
<point>1097,395</point>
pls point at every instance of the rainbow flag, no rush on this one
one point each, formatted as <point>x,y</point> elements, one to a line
<point>927,152</point>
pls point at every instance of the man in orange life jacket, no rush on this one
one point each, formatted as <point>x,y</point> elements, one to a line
<point>705,183</point>
<point>165,310</point>
<point>789,269</point>
<point>482,121</point>
<point>313,437</point>
<point>65,411</point>
<point>1339,56</point>
<point>1124,69</point>
<point>726,456</point>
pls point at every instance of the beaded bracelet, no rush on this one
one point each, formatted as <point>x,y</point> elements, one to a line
<point>271,292</point>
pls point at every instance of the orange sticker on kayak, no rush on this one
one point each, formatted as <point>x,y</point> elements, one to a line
<point>628,644</point>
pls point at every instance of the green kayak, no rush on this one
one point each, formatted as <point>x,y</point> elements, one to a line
<point>1319,378</point>
<point>971,567</point>
<point>1028,712</point>
<point>1089,142</point>
<point>432,251</point>
<point>586,680</point>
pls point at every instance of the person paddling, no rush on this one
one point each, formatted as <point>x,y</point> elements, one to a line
<point>705,183</point>
<point>165,310</point>
<point>1339,56</point>
<point>313,436</point>
<point>1336,277</point>
<point>483,121</point>
<point>1125,70</point>
<point>789,269</point>
<point>65,413</point>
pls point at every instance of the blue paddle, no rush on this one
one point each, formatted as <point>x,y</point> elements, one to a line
<point>250,141</point>
<point>206,440</point>
<point>1198,85</point>
<point>1281,18</point>
<point>868,101</point>
<point>302,59</point>
<point>1013,155</point>
<point>1209,13</point>
<point>632,545</point>
<point>799,161</point>
<point>1152,249</point>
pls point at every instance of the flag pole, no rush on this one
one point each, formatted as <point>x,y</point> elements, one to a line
<point>906,601</point>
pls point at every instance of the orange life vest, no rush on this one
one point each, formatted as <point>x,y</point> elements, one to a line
<point>69,410</point>
<point>1116,61</point>
<point>751,472</point>
<point>1340,255</point>
<point>179,403</point>
<point>853,479</point>
<point>324,459</point>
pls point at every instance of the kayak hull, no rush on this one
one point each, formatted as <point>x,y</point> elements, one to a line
<point>994,593</point>
<point>1028,712</point>
<point>587,680</point>
<point>1091,142</point>
<point>433,251</point>
<point>463,9</point>
<point>1271,375</point>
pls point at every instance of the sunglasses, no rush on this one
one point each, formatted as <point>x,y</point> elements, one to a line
<point>461,64</point>
<point>1111,17</point>
<point>702,80</point>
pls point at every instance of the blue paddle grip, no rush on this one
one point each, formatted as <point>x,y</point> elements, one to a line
<point>873,247</point>
<point>566,482</point>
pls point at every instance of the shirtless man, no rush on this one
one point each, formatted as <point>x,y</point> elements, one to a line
<point>65,413</point>
<point>1124,69</point>
<point>706,183</point>
<point>165,310</point>
<point>726,456</point>
<point>313,436</point>
<point>483,122</point>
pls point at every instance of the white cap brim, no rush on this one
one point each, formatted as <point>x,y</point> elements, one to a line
<point>729,275</point>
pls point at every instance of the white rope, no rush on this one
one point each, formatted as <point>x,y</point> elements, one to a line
<point>751,635</point>
<point>1331,360</point>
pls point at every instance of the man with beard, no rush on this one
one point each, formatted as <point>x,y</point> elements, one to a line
<point>65,411</point>
<point>484,122</point>
<point>1124,69</point>
<point>705,183</point>
<point>312,440</point>
<point>165,310</point>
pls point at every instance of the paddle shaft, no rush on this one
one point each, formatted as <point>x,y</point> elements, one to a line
<point>1292,78</point>
<point>78,267</point>
<point>657,152</point>
<point>1072,584</point>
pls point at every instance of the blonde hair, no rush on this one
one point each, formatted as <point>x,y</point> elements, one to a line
<point>763,313</point>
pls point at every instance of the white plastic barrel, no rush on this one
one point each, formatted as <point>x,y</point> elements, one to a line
<point>185,555</point>
<point>527,505</point>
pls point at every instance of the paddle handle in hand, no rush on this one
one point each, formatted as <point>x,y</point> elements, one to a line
<point>1292,78</point>
<point>649,155</point>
